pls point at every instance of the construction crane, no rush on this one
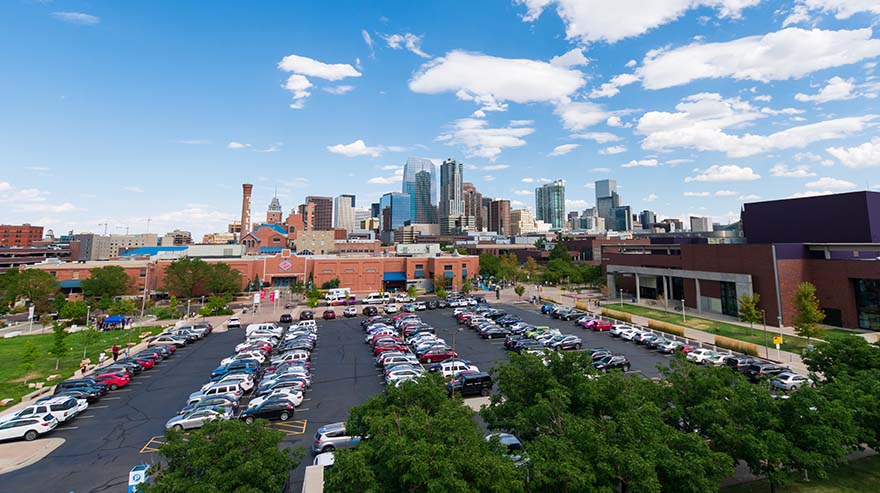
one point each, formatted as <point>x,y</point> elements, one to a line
<point>123,227</point>
<point>105,227</point>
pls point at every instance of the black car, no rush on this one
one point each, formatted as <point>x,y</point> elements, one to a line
<point>759,370</point>
<point>741,363</point>
<point>470,384</point>
<point>524,344</point>
<point>370,311</point>
<point>493,332</point>
<point>280,409</point>
<point>612,362</point>
<point>307,315</point>
<point>511,340</point>
<point>442,304</point>
<point>286,318</point>
<point>74,383</point>
<point>90,394</point>
<point>432,305</point>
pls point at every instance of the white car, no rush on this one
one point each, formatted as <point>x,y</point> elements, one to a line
<point>391,309</point>
<point>617,329</point>
<point>325,460</point>
<point>403,298</point>
<point>61,408</point>
<point>245,382</point>
<point>233,323</point>
<point>700,355</point>
<point>629,334</point>
<point>254,355</point>
<point>350,312</point>
<point>449,369</point>
<point>295,396</point>
<point>305,324</point>
<point>28,428</point>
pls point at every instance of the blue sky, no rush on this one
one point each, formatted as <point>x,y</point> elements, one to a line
<point>115,112</point>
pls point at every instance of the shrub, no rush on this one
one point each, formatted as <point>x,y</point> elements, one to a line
<point>666,327</point>
<point>738,346</point>
<point>581,305</point>
<point>622,316</point>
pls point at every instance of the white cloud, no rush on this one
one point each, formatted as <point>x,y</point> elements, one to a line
<point>842,9</point>
<point>563,149</point>
<point>701,121</point>
<point>578,116</point>
<point>237,145</point>
<point>615,121</point>
<point>133,189</point>
<point>725,193</point>
<point>192,141</point>
<point>410,41</point>
<point>764,98</point>
<point>786,54</point>
<point>676,162</point>
<point>272,148</point>
<point>696,194</point>
<point>76,18</point>
<point>727,172</point>
<point>650,198</point>
<point>523,193</point>
<point>597,20</point>
<point>641,163</point>
<point>481,141</point>
<point>492,81</point>
<point>573,58</point>
<point>30,200</point>
<point>600,170</point>
<point>750,196</point>
<point>368,40</point>
<point>493,167</point>
<point>338,89</point>
<point>861,156</point>
<point>611,88</point>
<point>536,180</point>
<point>575,204</point>
<point>631,64</point>
<point>835,89</point>
<point>611,150</point>
<point>360,148</point>
<point>304,67</point>
<point>598,137</point>
<point>784,171</point>
<point>828,183</point>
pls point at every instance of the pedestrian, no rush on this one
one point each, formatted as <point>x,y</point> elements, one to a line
<point>115,351</point>
<point>83,366</point>
<point>101,358</point>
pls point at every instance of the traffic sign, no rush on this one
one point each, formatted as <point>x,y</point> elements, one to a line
<point>777,340</point>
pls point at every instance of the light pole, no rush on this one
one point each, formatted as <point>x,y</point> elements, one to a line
<point>187,307</point>
<point>88,313</point>
<point>683,317</point>
<point>621,298</point>
<point>766,348</point>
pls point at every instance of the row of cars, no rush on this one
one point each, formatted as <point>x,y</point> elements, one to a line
<point>264,378</point>
<point>755,369</point>
<point>72,397</point>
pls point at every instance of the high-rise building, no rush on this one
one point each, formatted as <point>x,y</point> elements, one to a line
<point>701,224</point>
<point>522,222</point>
<point>307,212</point>
<point>323,220</point>
<point>273,214</point>
<point>647,218</point>
<point>420,183</point>
<point>473,204</point>
<point>343,213</point>
<point>395,209</point>
<point>606,199</point>
<point>674,224</point>
<point>451,187</point>
<point>550,204</point>
<point>360,215</point>
<point>375,209</point>
<point>499,216</point>
<point>246,190</point>
<point>620,219</point>
<point>176,238</point>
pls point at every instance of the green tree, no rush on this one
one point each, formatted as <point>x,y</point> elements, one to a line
<point>39,287</point>
<point>172,303</point>
<point>313,297</point>
<point>532,269</point>
<point>519,290</point>
<point>28,358</point>
<point>412,291</point>
<point>106,283</point>
<point>560,252</point>
<point>186,277</point>
<point>59,343</point>
<point>223,456</point>
<point>58,302</point>
<point>331,284</point>
<point>842,356</point>
<point>440,287</point>
<point>490,265</point>
<point>445,449</point>
<point>220,279</point>
<point>297,287</point>
<point>465,285</point>
<point>216,305</point>
<point>748,309</point>
<point>9,291</point>
<point>808,314</point>
<point>122,307</point>
<point>76,311</point>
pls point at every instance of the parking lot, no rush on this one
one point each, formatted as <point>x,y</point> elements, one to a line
<point>127,426</point>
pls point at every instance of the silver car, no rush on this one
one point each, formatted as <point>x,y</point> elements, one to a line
<point>197,419</point>
<point>791,381</point>
<point>331,437</point>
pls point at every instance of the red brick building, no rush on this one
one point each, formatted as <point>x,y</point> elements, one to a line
<point>22,235</point>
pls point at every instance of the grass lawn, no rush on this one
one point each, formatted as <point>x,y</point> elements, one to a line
<point>861,476</point>
<point>12,374</point>
<point>790,343</point>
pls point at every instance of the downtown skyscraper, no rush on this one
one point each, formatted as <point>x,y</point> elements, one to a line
<point>419,182</point>
<point>550,204</point>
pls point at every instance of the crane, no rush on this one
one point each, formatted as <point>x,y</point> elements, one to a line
<point>105,227</point>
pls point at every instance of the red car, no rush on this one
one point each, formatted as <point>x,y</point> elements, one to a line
<point>602,325</point>
<point>147,363</point>
<point>687,349</point>
<point>389,347</point>
<point>329,315</point>
<point>438,355</point>
<point>113,380</point>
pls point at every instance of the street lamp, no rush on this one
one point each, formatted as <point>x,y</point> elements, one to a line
<point>621,298</point>
<point>683,317</point>
<point>187,307</point>
<point>88,313</point>
<point>766,347</point>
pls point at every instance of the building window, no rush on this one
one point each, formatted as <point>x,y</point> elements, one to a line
<point>143,273</point>
<point>447,267</point>
<point>420,266</point>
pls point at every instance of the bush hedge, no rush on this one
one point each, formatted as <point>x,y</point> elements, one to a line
<point>666,327</point>
<point>738,346</point>
<point>622,316</point>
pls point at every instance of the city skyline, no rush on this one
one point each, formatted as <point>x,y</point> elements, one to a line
<point>313,105</point>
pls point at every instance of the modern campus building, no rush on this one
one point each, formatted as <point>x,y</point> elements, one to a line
<point>830,241</point>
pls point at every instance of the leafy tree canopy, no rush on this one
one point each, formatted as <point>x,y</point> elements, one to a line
<point>106,282</point>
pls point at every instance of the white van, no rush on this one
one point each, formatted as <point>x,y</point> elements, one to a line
<point>230,389</point>
<point>264,327</point>
<point>377,299</point>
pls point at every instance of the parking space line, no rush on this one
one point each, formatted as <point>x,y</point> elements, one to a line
<point>153,444</point>
<point>122,390</point>
<point>67,428</point>
<point>98,407</point>
<point>111,398</point>
<point>86,417</point>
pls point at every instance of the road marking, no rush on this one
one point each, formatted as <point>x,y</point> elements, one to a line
<point>300,410</point>
<point>67,428</point>
<point>111,398</point>
<point>294,427</point>
<point>136,383</point>
<point>98,407</point>
<point>122,390</point>
<point>153,444</point>
<point>86,417</point>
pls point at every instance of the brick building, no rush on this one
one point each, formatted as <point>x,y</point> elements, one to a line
<point>22,235</point>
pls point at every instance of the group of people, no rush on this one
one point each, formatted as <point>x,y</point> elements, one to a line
<point>114,351</point>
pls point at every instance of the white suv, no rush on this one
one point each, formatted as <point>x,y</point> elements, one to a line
<point>28,428</point>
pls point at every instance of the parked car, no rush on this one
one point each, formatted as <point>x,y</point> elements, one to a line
<point>567,342</point>
<point>470,384</point>
<point>74,383</point>
<point>758,370</point>
<point>669,347</point>
<point>390,309</point>
<point>168,339</point>
<point>285,318</point>
<point>350,312</point>
<point>788,380</point>
<point>233,323</point>
<point>62,408</point>
<point>370,311</point>
<point>210,401</point>
<point>307,315</point>
<point>700,355</point>
<point>90,394</point>
<point>280,409</point>
<point>113,380</point>
<point>295,396</point>
<point>197,419</point>
<point>740,363</point>
<point>331,437</point>
<point>28,428</point>
<point>329,315</point>
<point>611,362</point>
<point>716,360</point>
<point>437,354</point>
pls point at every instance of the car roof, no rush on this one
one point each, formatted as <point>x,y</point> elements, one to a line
<point>332,427</point>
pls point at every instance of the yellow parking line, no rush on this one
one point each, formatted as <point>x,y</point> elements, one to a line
<point>153,444</point>
<point>297,427</point>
